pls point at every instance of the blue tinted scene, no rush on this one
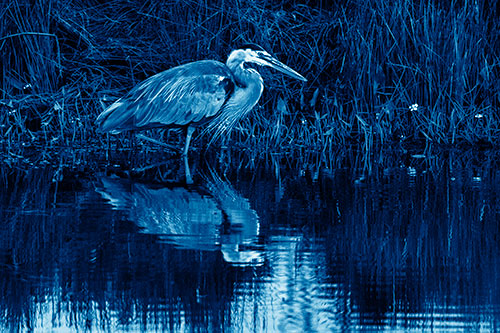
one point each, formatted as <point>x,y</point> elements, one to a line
<point>249,166</point>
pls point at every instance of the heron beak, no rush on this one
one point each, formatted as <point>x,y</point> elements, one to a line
<point>265,59</point>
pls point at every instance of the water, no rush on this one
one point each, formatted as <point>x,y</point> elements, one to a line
<point>393,241</point>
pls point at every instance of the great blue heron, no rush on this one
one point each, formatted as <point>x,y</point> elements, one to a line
<point>197,93</point>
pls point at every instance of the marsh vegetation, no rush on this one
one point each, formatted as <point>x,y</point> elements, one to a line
<point>405,72</point>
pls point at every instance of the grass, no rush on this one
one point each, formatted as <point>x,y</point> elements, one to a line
<point>379,73</point>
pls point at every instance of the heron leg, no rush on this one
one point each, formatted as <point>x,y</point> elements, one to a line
<point>189,179</point>
<point>107,147</point>
<point>159,143</point>
<point>189,134</point>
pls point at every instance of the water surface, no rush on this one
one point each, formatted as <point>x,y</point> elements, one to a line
<point>392,241</point>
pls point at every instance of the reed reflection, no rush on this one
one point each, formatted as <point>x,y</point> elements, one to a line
<point>397,247</point>
<point>210,216</point>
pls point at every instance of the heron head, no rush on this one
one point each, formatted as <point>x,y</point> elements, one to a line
<point>253,53</point>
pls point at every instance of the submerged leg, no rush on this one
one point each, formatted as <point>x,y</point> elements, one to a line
<point>189,134</point>
<point>189,180</point>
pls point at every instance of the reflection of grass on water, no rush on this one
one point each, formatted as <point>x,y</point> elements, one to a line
<point>415,239</point>
<point>378,72</point>
<point>63,250</point>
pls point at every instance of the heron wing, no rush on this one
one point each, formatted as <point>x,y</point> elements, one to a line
<point>182,95</point>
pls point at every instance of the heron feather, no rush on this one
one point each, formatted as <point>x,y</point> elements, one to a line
<point>179,96</point>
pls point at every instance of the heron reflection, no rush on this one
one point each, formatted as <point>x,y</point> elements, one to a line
<point>209,217</point>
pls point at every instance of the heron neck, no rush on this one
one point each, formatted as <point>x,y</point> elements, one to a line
<point>241,75</point>
<point>248,79</point>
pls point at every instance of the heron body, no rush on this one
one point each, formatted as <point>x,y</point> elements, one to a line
<point>205,92</point>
